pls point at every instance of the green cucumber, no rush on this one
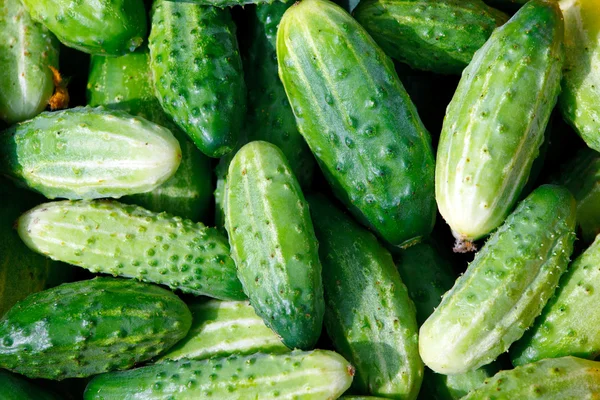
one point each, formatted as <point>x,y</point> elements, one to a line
<point>314,375</point>
<point>358,120</point>
<point>125,240</point>
<point>198,73</point>
<point>495,123</point>
<point>27,51</point>
<point>432,35</point>
<point>222,328</point>
<point>567,378</point>
<point>125,83</point>
<point>505,287</point>
<point>369,316</point>
<point>274,245</point>
<point>17,388</point>
<point>84,153</point>
<point>109,27</point>
<point>88,327</point>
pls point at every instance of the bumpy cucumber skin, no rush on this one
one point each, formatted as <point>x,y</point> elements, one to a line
<point>108,27</point>
<point>222,328</point>
<point>125,240</point>
<point>86,153</point>
<point>125,83</point>
<point>274,245</point>
<point>567,378</point>
<point>315,375</point>
<point>578,101</point>
<point>505,287</point>
<point>17,388</point>
<point>27,50</point>
<point>198,73</point>
<point>494,125</point>
<point>428,34</point>
<point>358,120</point>
<point>369,316</point>
<point>88,327</point>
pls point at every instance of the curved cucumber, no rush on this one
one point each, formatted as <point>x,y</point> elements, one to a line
<point>85,328</point>
<point>358,120</point>
<point>438,36</point>
<point>109,237</point>
<point>505,287</point>
<point>84,153</point>
<point>198,74</point>
<point>369,316</point>
<point>494,125</point>
<point>274,244</point>
<point>17,388</point>
<point>315,375</point>
<point>27,51</point>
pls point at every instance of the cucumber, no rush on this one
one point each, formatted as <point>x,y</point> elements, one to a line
<point>222,328</point>
<point>109,27</point>
<point>198,74</point>
<point>125,240</point>
<point>494,125</point>
<point>85,153</point>
<point>88,327</point>
<point>369,316</point>
<point>228,3</point>
<point>567,378</point>
<point>438,36</point>
<point>274,245</point>
<point>357,119</point>
<point>125,83</point>
<point>505,287</point>
<point>17,388</point>
<point>27,51</point>
<point>314,375</point>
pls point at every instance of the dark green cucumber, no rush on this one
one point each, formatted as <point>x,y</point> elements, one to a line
<point>358,120</point>
<point>198,74</point>
<point>274,244</point>
<point>433,35</point>
<point>505,287</point>
<point>126,240</point>
<point>14,387</point>
<point>85,328</point>
<point>84,153</point>
<point>369,316</point>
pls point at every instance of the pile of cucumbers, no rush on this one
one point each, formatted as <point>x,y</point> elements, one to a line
<point>382,199</point>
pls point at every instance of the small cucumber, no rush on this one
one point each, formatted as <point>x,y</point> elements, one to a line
<point>505,287</point>
<point>358,120</point>
<point>433,35</point>
<point>567,378</point>
<point>88,327</point>
<point>369,316</point>
<point>198,73</point>
<point>314,375</point>
<point>17,388</point>
<point>125,240</point>
<point>109,27</point>
<point>27,51</point>
<point>274,244</point>
<point>494,125</point>
<point>85,153</point>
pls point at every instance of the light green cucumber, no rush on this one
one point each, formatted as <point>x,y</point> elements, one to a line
<point>17,388</point>
<point>494,125</point>
<point>85,153</point>
<point>125,240</point>
<point>505,287</point>
<point>315,375</point>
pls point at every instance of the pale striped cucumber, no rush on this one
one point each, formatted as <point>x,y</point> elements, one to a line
<point>315,375</point>
<point>274,245</point>
<point>505,287</point>
<point>110,237</point>
<point>85,153</point>
<point>222,328</point>
<point>368,316</point>
<point>494,125</point>
<point>358,120</point>
<point>27,51</point>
